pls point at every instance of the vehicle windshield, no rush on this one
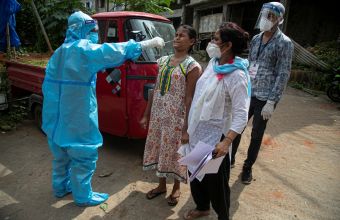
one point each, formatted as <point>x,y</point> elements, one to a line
<point>140,29</point>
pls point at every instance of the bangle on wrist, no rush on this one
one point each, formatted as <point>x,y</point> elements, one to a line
<point>226,137</point>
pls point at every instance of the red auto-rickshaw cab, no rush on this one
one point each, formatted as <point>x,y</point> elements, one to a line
<point>122,92</point>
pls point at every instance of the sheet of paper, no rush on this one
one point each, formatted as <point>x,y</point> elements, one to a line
<point>211,166</point>
<point>201,164</point>
<point>184,149</point>
<point>197,154</point>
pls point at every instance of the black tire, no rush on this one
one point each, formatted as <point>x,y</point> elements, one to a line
<point>333,93</point>
<point>38,116</point>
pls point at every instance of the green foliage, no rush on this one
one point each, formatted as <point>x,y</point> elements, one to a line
<point>150,6</point>
<point>41,63</point>
<point>17,113</point>
<point>3,80</point>
<point>54,15</point>
<point>296,85</point>
<point>306,77</point>
<point>328,52</point>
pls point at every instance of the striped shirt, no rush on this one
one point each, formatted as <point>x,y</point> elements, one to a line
<point>274,59</point>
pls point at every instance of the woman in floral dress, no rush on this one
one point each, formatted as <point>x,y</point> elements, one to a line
<point>167,113</point>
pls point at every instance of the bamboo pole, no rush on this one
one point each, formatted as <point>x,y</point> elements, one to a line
<point>14,53</point>
<point>41,26</point>
<point>8,38</point>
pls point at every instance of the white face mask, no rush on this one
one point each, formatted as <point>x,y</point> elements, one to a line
<point>213,50</point>
<point>265,24</point>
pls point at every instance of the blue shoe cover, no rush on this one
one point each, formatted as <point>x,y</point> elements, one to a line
<point>62,194</point>
<point>96,199</point>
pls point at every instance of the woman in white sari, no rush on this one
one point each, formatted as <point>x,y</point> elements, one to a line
<point>218,113</point>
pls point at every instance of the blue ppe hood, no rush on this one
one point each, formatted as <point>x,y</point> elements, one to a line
<point>79,26</point>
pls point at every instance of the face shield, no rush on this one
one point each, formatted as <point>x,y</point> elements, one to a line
<point>271,14</point>
<point>92,35</point>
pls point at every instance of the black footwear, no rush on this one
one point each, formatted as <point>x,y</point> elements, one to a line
<point>246,175</point>
<point>153,194</point>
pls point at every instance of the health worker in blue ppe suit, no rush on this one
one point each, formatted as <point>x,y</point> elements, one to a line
<point>70,117</point>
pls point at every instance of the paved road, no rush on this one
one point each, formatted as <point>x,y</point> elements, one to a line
<point>296,176</point>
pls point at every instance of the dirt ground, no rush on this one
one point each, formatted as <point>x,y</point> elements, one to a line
<point>296,175</point>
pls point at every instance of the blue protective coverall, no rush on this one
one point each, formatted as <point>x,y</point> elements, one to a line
<point>70,115</point>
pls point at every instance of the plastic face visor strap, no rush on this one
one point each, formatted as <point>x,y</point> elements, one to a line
<point>272,8</point>
<point>95,29</point>
<point>90,22</point>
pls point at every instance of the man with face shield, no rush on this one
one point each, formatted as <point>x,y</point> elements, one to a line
<point>70,117</point>
<point>271,16</point>
<point>270,58</point>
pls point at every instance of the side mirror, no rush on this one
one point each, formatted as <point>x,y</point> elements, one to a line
<point>137,35</point>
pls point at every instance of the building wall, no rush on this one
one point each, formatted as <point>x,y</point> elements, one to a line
<point>307,22</point>
<point>242,12</point>
<point>97,5</point>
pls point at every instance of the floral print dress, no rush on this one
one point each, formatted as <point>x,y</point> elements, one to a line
<point>167,119</point>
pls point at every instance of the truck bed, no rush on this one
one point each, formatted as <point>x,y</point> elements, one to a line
<point>26,76</point>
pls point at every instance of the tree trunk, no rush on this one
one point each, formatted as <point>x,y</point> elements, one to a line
<point>41,26</point>
<point>97,6</point>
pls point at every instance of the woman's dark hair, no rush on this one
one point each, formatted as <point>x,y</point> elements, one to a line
<point>231,32</point>
<point>191,32</point>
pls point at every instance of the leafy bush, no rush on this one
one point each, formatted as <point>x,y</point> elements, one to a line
<point>150,6</point>
<point>4,87</point>
<point>309,77</point>
<point>54,15</point>
<point>303,76</point>
<point>17,113</point>
<point>329,52</point>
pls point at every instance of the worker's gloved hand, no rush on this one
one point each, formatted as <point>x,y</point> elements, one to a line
<point>154,42</point>
<point>267,110</point>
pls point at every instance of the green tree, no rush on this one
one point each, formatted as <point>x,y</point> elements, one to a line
<point>53,13</point>
<point>150,6</point>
